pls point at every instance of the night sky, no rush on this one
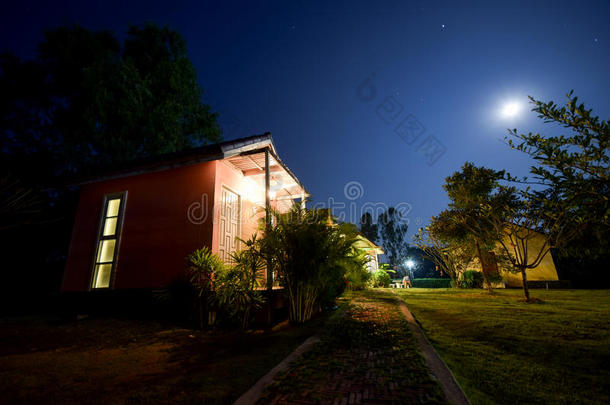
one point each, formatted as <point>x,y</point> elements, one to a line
<point>440,74</point>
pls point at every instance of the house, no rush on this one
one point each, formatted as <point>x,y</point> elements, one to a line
<point>545,271</point>
<point>370,250</point>
<point>134,226</point>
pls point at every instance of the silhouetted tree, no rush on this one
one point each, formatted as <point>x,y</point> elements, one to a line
<point>393,231</point>
<point>368,228</point>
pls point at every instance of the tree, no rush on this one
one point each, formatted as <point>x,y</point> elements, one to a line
<point>368,228</point>
<point>393,231</point>
<point>87,101</point>
<point>572,171</point>
<point>520,228</point>
<point>451,259</point>
<point>475,195</point>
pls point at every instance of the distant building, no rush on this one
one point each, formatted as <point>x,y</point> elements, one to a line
<point>371,251</point>
<point>545,271</point>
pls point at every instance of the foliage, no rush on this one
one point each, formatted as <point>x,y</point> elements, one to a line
<point>382,277</point>
<point>520,229</point>
<point>357,274</point>
<point>237,293</point>
<point>310,256</point>
<point>471,279</point>
<point>19,204</point>
<point>393,231</point>
<point>203,268</point>
<point>432,283</point>
<point>450,258</point>
<point>87,101</point>
<point>474,195</point>
<point>368,227</point>
<point>573,171</point>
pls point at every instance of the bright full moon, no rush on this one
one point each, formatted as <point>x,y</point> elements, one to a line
<point>510,110</point>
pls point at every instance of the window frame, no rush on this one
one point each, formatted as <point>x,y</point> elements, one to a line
<point>122,195</point>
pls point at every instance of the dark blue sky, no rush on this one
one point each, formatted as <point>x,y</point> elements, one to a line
<point>298,70</point>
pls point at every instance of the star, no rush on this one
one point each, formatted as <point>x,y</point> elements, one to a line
<point>442,25</point>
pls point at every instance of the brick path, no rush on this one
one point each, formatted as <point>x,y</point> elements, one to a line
<point>367,356</point>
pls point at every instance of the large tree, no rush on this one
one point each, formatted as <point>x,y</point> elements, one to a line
<point>368,227</point>
<point>86,101</point>
<point>572,172</point>
<point>393,228</point>
<point>572,175</point>
<point>474,195</point>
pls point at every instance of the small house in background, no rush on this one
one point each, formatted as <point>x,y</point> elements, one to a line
<point>134,227</point>
<point>371,251</point>
<point>545,271</point>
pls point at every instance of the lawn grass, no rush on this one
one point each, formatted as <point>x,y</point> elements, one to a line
<point>505,351</point>
<point>127,361</point>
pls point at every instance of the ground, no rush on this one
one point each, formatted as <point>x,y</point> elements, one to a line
<point>505,351</point>
<point>501,350</point>
<point>125,361</point>
<point>367,355</point>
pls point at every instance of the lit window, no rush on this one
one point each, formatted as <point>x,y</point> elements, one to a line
<point>107,241</point>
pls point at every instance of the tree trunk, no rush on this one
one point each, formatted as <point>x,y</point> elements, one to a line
<point>487,283</point>
<point>526,291</point>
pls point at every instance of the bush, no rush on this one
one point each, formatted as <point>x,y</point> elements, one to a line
<point>382,278</point>
<point>432,283</point>
<point>472,279</point>
<point>311,258</point>
<point>237,295</point>
<point>203,267</point>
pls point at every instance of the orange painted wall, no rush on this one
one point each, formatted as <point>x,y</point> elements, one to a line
<point>251,198</point>
<point>157,233</point>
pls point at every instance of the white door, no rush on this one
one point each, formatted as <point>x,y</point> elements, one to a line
<point>229,224</point>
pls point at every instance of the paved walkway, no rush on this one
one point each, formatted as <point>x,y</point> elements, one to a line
<point>366,356</point>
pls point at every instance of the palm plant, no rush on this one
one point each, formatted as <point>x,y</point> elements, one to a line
<point>237,291</point>
<point>203,268</point>
<point>310,256</point>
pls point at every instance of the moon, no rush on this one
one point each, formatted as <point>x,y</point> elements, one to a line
<point>510,109</point>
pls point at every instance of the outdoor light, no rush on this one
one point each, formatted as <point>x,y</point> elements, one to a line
<point>410,264</point>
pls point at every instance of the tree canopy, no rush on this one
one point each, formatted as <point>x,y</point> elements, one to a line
<point>572,171</point>
<point>393,231</point>
<point>87,101</point>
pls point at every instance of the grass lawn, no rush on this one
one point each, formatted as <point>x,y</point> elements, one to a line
<point>125,361</point>
<point>505,351</point>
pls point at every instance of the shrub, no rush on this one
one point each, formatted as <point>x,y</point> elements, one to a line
<point>382,278</point>
<point>311,257</point>
<point>432,283</point>
<point>357,274</point>
<point>472,279</point>
<point>203,267</point>
<point>237,294</point>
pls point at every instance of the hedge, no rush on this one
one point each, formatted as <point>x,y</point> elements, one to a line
<point>432,283</point>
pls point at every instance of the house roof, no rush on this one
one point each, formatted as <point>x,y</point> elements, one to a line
<point>369,245</point>
<point>245,154</point>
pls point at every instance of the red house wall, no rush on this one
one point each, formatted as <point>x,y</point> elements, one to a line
<point>250,214</point>
<point>157,233</point>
